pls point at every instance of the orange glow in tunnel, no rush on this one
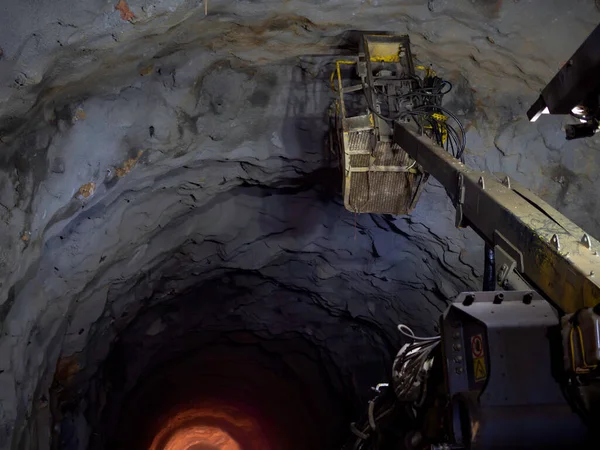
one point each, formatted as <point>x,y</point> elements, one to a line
<point>201,438</point>
<point>212,427</point>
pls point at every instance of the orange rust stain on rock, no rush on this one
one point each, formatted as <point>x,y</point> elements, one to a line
<point>80,114</point>
<point>126,13</point>
<point>145,71</point>
<point>87,189</point>
<point>66,368</point>
<point>498,6</point>
<point>128,165</point>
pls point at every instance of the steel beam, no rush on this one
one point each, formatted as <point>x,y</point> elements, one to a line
<point>553,254</point>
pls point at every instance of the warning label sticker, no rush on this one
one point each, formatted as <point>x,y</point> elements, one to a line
<point>479,369</point>
<point>478,354</point>
<point>477,346</point>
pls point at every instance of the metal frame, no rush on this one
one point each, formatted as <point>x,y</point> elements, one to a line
<point>383,48</point>
<point>550,252</point>
<point>365,134</point>
<point>516,402</point>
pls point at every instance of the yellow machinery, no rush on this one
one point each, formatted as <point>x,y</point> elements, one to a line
<point>375,90</point>
<point>516,365</point>
<point>379,177</point>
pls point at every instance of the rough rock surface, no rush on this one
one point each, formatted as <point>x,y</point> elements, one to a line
<point>157,157</point>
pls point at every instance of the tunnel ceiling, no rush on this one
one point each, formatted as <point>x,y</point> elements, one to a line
<point>165,173</point>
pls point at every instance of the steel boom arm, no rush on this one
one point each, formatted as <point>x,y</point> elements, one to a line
<point>546,249</point>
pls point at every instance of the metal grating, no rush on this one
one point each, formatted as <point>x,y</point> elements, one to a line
<point>360,160</point>
<point>381,192</point>
<point>359,141</point>
<point>375,189</point>
<point>387,154</point>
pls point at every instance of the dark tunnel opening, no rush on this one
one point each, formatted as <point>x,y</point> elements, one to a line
<point>235,354</point>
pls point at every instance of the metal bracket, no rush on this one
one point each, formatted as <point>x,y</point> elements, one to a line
<point>510,250</point>
<point>361,66</point>
<point>508,268</point>
<point>460,199</point>
<point>504,265</point>
<point>586,241</point>
<point>555,241</point>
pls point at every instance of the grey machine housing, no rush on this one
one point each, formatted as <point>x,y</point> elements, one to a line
<point>502,361</point>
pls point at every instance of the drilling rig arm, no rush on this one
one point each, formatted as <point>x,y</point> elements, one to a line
<point>534,245</point>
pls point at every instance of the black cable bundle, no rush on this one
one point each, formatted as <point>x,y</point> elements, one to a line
<point>423,105</point>
<point>368,433</point>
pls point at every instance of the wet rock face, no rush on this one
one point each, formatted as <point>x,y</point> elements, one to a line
<point>172,214</point>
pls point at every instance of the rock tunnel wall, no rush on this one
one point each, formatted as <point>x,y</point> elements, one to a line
<point>156,160</point>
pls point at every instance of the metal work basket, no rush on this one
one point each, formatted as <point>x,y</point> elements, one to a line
<point>379,177</point>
